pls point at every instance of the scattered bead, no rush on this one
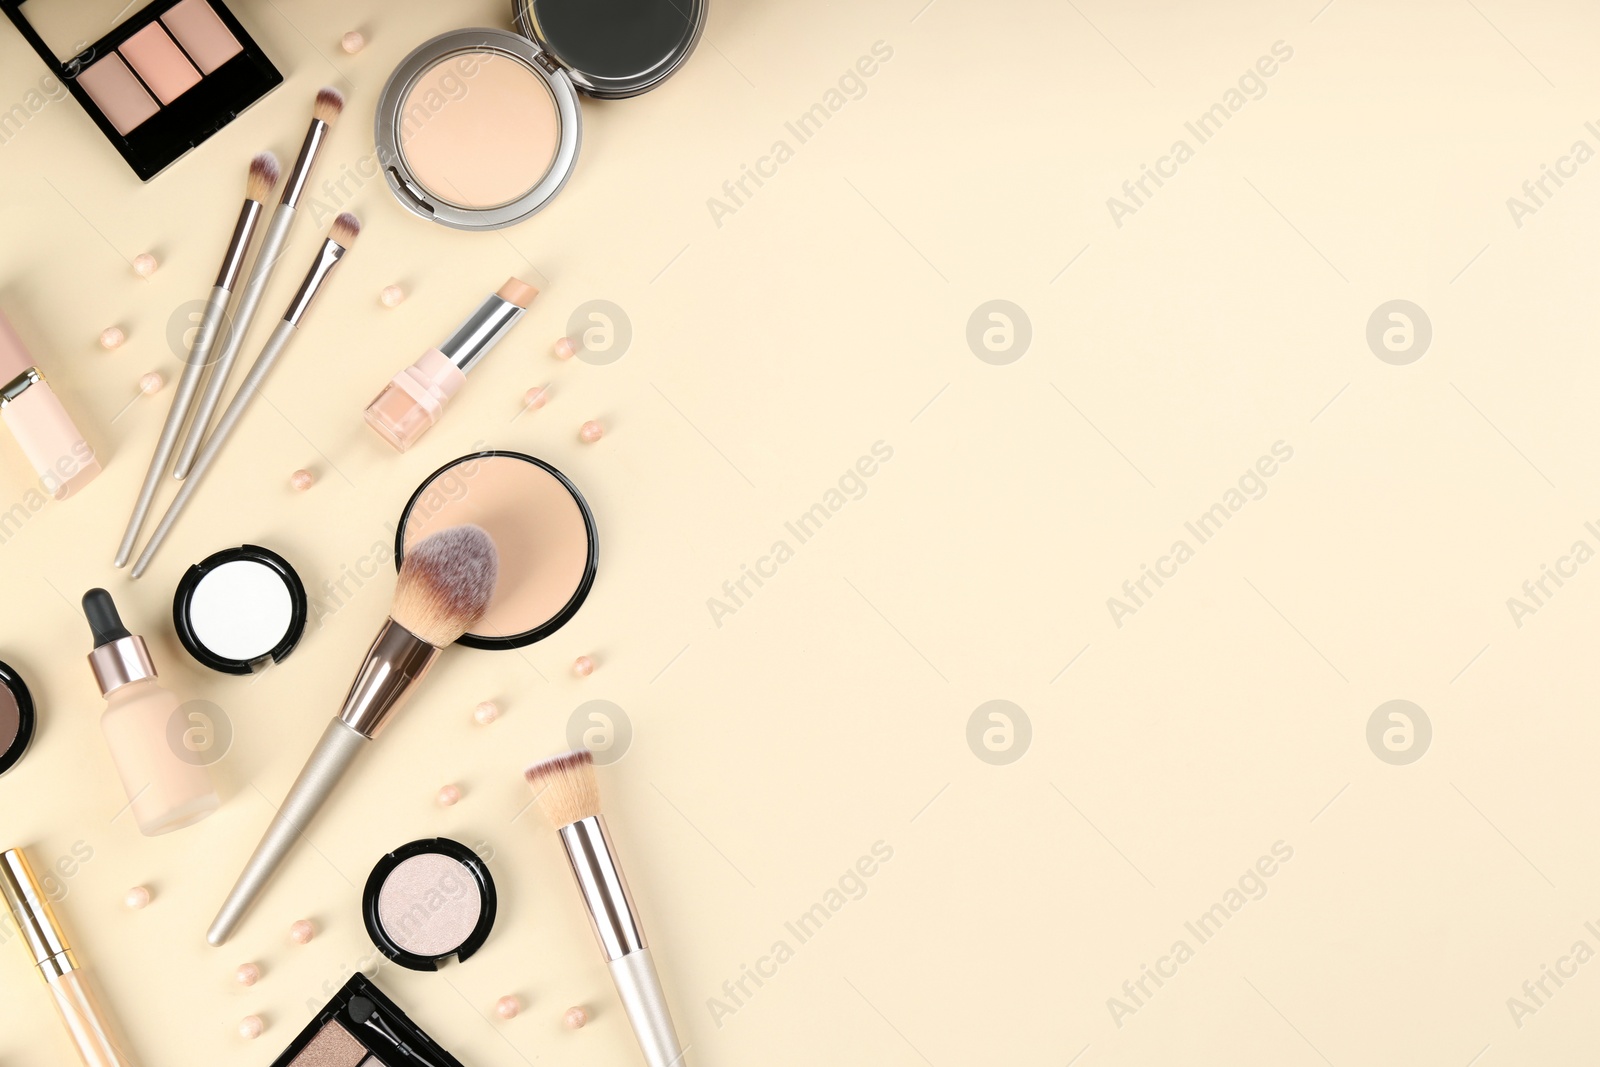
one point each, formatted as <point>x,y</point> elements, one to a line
<point>591,431</point>
<point>112,337</point>
<point>144,264</point>
<point>137,897</point>
<point>565,349</point>
<point>449,795</point>
<point>250,1027</point>
<point>300,933</point>
<point>248,974</point>
<point>575,1018</point>
<point>392,295</point>
<point>352,42</point>
<point>150,384</point>
<point>302,480</point>
<point>536,398</point>
<point>486,713</point>
<point>507,1007</point>
<point>583,666</point>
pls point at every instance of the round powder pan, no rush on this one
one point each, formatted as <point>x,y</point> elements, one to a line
<point>428,901</point>
<point>478,129</point>
<point>542,529</point>
<point>16,717</point>
<point>238,608</point>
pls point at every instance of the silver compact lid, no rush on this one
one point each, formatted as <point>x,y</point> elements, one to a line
<point>614,48</point>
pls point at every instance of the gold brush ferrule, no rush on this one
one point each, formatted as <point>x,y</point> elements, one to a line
<point>395,663</point>
<point>31,910</point>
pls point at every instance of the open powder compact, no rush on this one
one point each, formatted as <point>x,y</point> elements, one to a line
<point>479,129</point>
<point>16,718</point>
<point>237,609</point>
<point>428,901</point>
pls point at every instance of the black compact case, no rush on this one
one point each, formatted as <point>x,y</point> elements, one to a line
<point>200,111</point>
<point>379,1029</point>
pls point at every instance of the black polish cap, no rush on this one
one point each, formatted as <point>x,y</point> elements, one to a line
<point>104,621</point>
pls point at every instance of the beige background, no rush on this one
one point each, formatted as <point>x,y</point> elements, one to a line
<point>830,712</point>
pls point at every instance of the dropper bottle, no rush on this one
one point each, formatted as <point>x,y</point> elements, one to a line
<point>167,784</point>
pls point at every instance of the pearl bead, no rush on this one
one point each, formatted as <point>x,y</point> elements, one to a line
<point>507,1007</point>
<point>583,666</point>
<point>250,1027</point>
<point>449,795</point>
<point>486,713</point>
<point>150,384</point>
<point>536,398</point>
<point>392,295</point>
<point>591,431</point>
<point>144,264</point>
<point>352,42</point>
<point>575,1018</point>
<point>300,933</point>
<point>137,897</point>
<point>565,349</point>
<point>302,480</point>
<point>111,337</point>
<point>247,974</point>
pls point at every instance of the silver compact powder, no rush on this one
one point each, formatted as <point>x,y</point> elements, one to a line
<point>241,610</point>
<point>430,904</point>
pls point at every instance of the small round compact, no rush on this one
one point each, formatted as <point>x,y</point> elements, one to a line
<point>428,901</point>
<point>239,608</point>
<point>16,718</point>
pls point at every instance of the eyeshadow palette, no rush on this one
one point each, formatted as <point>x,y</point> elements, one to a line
<point>360,1027</point>
<point>163,80</point>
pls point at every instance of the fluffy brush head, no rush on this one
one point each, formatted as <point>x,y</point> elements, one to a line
<point>565,787</point>
<point>330,102</point>
<point>445,584</point>
<point>346,228</point>
<point>263,177</point>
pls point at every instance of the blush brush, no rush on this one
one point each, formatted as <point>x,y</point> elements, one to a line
<point>445,584</point>
<point>569,796</point>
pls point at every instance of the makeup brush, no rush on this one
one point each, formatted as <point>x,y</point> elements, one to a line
<point>444,587</point>
<point>258,186</point>
<point>340,238</point>
<point>330,102</point>
<point>569,796</point>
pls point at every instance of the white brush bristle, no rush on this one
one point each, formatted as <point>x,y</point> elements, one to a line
<point>346,228</point>
<point>330,102</point>
<point>263,177</point>
<point>565,787</point>
<point>445,585</point>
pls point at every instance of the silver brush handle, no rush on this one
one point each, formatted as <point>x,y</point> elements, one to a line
<point>249,301</point>
<point>194,366</point>
<point>332,757</point>
<point>646,1005</point>
<point>616,925</point>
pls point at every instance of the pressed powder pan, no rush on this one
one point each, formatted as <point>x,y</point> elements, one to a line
<point>541,527</point>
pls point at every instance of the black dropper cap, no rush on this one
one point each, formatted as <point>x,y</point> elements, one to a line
<point>103,618</point>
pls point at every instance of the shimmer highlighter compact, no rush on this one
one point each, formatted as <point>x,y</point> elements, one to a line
<point>157,83</point>
<point>360,1027</point>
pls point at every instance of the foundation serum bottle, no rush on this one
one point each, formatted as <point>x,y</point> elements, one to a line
<point>166,786</point>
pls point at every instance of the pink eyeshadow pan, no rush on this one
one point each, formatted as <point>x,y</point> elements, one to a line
<point>122,100</point>
<point>202,33</point>
<point>160,62</point>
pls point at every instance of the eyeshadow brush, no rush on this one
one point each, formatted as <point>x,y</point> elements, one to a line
<point>340,237</point>
<point>445,585</point>
<point>569,796</point>
<point>258,186</point>
<point>329,103</point>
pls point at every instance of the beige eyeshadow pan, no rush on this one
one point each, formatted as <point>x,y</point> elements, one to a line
<point>123,101</point>
<point>202,34</point>
<point>332,1047</point>
<point>158,60</point>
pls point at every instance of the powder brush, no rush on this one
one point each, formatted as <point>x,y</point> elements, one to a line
<point>445,584</point>
<point>324,112</point>
<point>569,796</point>
<point>262,179</point>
